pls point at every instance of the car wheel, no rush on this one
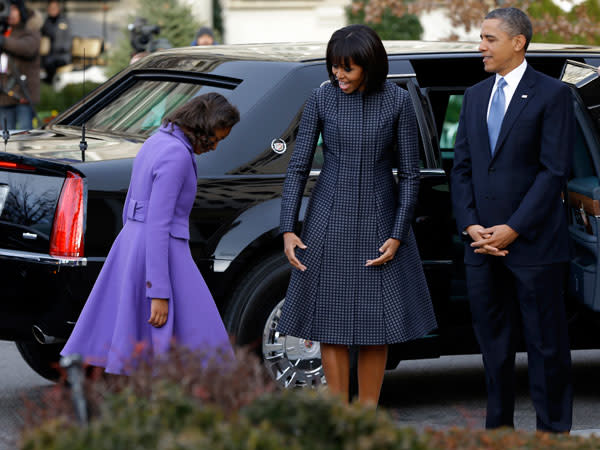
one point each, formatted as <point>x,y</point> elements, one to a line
<point>42,358</point>
<point>252,318</point>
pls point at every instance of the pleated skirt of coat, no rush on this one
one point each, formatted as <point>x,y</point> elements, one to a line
<point>113,326</point>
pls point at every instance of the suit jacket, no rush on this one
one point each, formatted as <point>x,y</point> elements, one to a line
<point>521,184</point>
<point>161,195</point>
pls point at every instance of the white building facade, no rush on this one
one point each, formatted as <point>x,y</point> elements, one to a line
<point>250,21</point>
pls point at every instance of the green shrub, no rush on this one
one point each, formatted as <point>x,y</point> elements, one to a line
<point>321,422</point>
<point>175,19</point>
<point>54,102</point>
<point>170,419</point>
<point>188,401</point>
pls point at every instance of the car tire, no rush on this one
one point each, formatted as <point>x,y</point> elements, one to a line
<point>42,358</point>
<point>252,318</point>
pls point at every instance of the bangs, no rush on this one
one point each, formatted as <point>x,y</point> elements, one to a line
<point>343,52</point>
<point>360,45</point>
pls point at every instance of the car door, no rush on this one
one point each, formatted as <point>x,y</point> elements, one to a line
<point>433,225</point>
<point>583,189</point>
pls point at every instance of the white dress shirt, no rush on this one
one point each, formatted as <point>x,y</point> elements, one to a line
<point>512,78</point>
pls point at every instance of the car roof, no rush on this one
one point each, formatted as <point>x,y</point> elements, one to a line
<point>315,51</point>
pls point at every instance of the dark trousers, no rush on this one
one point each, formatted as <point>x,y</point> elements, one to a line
<point>504,299</point>
<point>18,117</point>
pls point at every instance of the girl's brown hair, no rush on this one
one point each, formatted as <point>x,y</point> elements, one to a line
<point>201,116</point>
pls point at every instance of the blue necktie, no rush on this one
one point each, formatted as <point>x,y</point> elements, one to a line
<point>496,114</point>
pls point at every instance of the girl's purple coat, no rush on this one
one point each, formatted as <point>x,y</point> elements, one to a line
<point>149,259</point>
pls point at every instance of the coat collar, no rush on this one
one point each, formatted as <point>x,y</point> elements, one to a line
<point>178,134</point>
<point>482,99</point>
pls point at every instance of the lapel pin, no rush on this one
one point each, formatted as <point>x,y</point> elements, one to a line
<point>524,96</point>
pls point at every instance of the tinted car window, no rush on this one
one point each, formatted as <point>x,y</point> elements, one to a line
<point>450,125</point>
<point>319,158</point>
<point>583,165</point>
<point>140,109</point>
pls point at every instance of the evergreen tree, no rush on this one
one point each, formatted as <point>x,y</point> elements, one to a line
<point>218,19</point>
<point>176,23</point>
<point>387,25</point>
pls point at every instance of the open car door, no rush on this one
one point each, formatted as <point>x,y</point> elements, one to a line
<point>583,189</point>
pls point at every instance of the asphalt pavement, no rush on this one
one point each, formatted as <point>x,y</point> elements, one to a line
<point>450,391</point>
<point>16,381</point>
<point>437,393</point>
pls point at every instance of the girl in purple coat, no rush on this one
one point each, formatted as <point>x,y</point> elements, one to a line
<point>149,289</point>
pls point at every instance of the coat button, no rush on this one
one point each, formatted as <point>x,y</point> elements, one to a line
<point>148,284</point>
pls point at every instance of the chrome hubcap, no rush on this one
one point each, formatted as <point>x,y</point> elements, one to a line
<point>291,361</point>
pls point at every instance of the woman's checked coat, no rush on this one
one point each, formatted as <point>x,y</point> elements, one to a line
<point>355,207</point>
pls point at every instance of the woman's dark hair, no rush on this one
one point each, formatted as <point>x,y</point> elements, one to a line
<point>361,45</point>
<point>201,116</point>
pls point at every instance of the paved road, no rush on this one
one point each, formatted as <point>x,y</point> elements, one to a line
<point>16,380</point>
<point>439,393</point>
<point>450,391</point>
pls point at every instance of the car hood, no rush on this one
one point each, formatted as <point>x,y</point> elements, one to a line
<point>62,144</point>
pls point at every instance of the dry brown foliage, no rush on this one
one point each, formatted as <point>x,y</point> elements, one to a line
<point>218,379</point>
<point>579,25</point>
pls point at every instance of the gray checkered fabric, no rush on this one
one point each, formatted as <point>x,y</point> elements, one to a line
<point>355,207</point>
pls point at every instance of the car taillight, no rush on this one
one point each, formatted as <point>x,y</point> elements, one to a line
<point>15,166</point>
<point>67,231</point>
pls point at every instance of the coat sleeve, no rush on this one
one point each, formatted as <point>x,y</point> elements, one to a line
<point>168,174</point>
<point>556,149</point>
<point>463,198</point>
<point>26,46</point>
<point>300,164</point>
<point>407,156</point>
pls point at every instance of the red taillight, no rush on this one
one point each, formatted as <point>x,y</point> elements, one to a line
<point>15,166</point>
<point>67,231</point>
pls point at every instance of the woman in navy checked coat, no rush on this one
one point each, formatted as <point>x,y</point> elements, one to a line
<point>357,277</point>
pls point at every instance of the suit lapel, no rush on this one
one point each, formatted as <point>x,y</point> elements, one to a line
<point>481,106</point>
<point>524,93</point>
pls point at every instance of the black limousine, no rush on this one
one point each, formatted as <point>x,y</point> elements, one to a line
<point>61,199</point>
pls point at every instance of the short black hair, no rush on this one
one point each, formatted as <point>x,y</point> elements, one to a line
<point>202,116</point>
<point>514,22</point>
<point>361,45</point>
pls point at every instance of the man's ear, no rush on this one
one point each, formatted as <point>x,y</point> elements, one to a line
<point>519,42</point>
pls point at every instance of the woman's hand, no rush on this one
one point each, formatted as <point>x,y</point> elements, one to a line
<point>159,311</point>
<point>388,250</point>
<point>290,242</point>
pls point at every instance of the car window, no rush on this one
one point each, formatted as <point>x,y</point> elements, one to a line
<point>140,109</point>
<point>318,158</point>
<point>450,125</point>
<point>583,165</point>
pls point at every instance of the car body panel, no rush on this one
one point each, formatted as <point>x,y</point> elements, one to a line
<point>234,222</point>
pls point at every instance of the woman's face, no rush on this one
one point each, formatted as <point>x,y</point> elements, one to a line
<point>14,17</point>
<point>349,78</point>
<point>213,141</point>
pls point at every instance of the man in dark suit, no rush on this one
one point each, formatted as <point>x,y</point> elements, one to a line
<point>512,159</point>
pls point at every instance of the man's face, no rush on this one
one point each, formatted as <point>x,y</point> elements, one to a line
<point>205,39</point>
<point>14,17</point>
<point>53,9</point>
<point>501,52</point>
